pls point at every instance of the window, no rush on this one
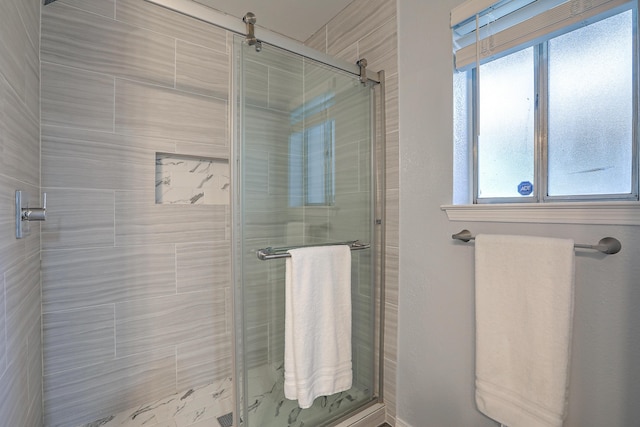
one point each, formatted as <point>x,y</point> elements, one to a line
<point>311,155</point>
<point>550,113</point>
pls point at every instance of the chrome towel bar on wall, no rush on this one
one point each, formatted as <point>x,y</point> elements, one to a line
<point>606,245</point>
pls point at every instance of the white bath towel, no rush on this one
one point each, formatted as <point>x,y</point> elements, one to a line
<point>317,358</point>
<point>524,312</point>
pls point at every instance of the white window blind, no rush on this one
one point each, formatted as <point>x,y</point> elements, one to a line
<point>484,30</point>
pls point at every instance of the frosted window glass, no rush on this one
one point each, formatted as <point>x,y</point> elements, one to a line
<point>590,137</point>
<point>462,183</point>
<point>506,139</point>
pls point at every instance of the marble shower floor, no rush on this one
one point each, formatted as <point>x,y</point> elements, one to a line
<point>197,407</point>
<point>202,406</point>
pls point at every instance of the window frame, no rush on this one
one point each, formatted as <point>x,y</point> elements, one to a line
<point>541,90</point>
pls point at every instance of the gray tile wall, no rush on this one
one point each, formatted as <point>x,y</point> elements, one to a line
<point>133,307</point>
<point>20,319</point>
<point>367,29</point>
<point>135,295</point>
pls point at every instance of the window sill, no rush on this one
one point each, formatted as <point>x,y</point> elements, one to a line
<point>601,213</point>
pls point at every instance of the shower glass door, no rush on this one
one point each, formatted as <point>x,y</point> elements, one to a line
<point>304,173</point>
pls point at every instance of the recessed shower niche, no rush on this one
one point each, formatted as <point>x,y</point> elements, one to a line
<point>191,180</point>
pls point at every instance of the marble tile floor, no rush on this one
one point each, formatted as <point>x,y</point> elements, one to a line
<point>197,407</point>
<point>202,406</point>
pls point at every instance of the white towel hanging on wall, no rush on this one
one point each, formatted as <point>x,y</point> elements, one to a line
<point>524,313</point>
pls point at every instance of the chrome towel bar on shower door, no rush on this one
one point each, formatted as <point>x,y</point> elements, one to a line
<point>606,245</point>
<point>273,253</point>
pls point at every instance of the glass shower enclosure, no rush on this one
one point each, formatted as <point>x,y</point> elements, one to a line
<point>303,163</point>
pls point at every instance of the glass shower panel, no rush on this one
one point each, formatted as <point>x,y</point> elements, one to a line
<point>305,177</point>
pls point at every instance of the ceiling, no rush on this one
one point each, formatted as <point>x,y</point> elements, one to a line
<point>297,19</point>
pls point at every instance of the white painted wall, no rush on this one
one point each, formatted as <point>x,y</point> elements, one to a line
<point>436,311</point>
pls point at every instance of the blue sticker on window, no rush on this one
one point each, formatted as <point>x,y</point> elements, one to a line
<point>525,188</point>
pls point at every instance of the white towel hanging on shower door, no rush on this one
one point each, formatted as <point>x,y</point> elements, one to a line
<point>317,323</point>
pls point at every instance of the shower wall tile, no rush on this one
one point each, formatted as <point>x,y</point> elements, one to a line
<point>32,84</point>
<point>168,321</point>
<point>285,90</point>
<point>256,171</point>
<point>143,14</point>
<point>277,58</point>
<point>20,138</point>
<point>203,266</point>
<point>268,225</point>
<point>85,159</point>
<point>154,111</point>
<point>84,40</point>
<point>278,174</point>
<point>139,221</point>
<point>356,21</point>
<point>204,361</point>
<point>392,222</point>
<point>14,393</point>
<point>143,80</point>
<point>347,156</point>
<point>218,148</point>
<point>77,98</point>
<point>34,414</point>
<point>74,279</point>
<point>256,84</point>
<point>86,394</point>
<point>390,330</point>
<point>268,128</point>
<point>78,338</point>
<point>13,251</point>
<point>3,325</point>
<point>22,287</point>
<point>318,40</point>
<point>391,107</point>
<point>391,270</point>
<point>101,7</point>
<point>34,365</point>
<point>393,160</point>
<point>29,11</point>
<point>78,219</point>
<point>350,53</point>
<point>202,70</point>
<point>390,388</point>
<point>256,346</point>
<point>14,42</point>
<point>380,48</point>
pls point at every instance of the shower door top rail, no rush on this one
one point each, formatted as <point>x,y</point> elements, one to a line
<point>212,16</point>
<point>274,253</point>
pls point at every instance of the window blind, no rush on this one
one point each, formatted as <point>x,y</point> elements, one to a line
<point>484,30</point>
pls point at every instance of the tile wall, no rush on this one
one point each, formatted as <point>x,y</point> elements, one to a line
<point>133,308</point>
<point>367,29</point>
<point>20,349</point>
<point>136,294</point>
